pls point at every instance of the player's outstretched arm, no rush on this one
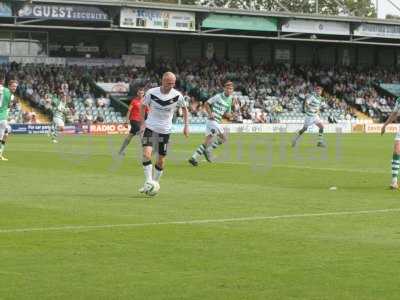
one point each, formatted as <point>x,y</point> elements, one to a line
<point>208,110</point>
<point>186,121</point>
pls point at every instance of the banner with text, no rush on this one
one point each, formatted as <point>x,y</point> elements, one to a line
<point>140,48</point>
<point>157,19</point>
<point>114,88</point>
<point>266,128</point>
<point>134,60</point>
<point>376,128</point>
<point>38,60</point>
<point>378,30</point>
<point>94,62</point>
<point>321,27</point>
<point>63,12</point>
<point>101,129</point>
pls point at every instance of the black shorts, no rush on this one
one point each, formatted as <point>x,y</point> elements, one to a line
<point>156,140</point>
<point>135,127</point>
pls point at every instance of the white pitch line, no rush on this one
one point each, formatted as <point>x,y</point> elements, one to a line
<point>195,222</point>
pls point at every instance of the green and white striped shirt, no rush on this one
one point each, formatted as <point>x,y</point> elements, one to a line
<point>313,105</point>
<point>5,100</point>
<point>397,105</point>
<point>59,108</point>
<point>220,104</point>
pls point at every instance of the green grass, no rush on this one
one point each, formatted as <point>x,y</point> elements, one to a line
<point>79,182</point>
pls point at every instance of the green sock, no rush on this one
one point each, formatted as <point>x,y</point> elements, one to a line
<point>54,134</point>
<point>215,145</point>
<point>395,166</point>
<point>321,136</point>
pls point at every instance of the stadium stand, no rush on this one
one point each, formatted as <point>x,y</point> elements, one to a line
<point>265,93</point>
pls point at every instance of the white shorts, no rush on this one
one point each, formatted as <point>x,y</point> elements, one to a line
<point>3,128</point>
<point>58,122</point>
<point>213,128</point>
<point>397,137</point>
<point>311,120</point>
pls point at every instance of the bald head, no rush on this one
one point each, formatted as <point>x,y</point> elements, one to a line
<point>168,75</point>
<point>168,82</point>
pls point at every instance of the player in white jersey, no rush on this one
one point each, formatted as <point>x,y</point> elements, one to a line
<point>162,102</point>
<point>396,149</point>
<point>312,106</point>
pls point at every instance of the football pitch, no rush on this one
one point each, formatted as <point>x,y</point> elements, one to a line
<point>264,221</point>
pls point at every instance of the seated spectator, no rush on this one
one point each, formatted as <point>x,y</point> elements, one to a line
<point>33,118</point>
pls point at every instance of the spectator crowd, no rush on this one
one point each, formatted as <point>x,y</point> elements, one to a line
<point>263,92</point>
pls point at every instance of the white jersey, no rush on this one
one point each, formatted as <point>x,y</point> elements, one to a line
<point>162,109</point>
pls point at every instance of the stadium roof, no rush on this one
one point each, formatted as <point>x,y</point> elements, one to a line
<point>113,6</point>
<point>195,8</point>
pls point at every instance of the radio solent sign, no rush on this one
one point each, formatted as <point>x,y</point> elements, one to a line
<point>378,30</point>
<point>157,19</point>
<point>321,27</point>
<point>109,129</point>
<point>62,12</point>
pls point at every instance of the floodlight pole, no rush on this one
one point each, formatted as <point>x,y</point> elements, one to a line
<point>344,6</point>
<point>316,6</point>
<point>282,6</point>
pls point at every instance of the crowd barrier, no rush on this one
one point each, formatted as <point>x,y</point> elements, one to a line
<point>105,129</point>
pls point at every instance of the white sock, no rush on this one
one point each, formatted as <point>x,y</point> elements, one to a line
<point>148,169</point>
<point>394,180</point>
<point>157,173</point>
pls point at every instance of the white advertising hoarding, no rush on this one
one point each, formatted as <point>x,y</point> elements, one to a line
<point>376,128</point>
<point>268,128</point>
<point>38,60</point>
<point>378,30</point>
<point>114,87</point>
<point>134,60</point>
<point>320,27</point>
<point>157,19</point>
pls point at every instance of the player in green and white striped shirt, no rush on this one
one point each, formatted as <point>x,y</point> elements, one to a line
<point>312,106</point>
<point>6,97</point>
<point>216,107</point>
<point>396,151</point>
<point>59,108</point>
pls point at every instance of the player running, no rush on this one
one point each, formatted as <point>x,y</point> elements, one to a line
<point>162,102</point>
<point>216,107</point>
<point>133,116</point>
<point>6,97</point>
<point>396,149</point>
<point>312,106</point>
<point>59,108</point>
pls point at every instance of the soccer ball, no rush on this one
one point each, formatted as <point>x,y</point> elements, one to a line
<point>152,188</point>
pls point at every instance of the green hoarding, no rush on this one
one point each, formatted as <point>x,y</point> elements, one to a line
<point>218,21</point>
